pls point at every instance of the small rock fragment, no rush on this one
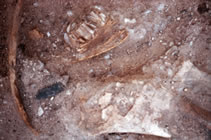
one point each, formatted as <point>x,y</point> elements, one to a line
<point>52,98</point>
<point>161,7</point>
<point>40,111</point>
<point>107,56</point>
<point>48,34</point>
<point>118,84</point>
<point>147,12</point>
<point>171,43</point>
<point>132,21</point>
<point>50,91</point>
<point>35,4</point>
<point>69,13</point>
<point>41,21</point>
<point>68,92</point>
<point>4,102</point>
<point>185,89</point>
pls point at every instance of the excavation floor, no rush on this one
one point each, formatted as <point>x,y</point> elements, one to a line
<point>154,85</point>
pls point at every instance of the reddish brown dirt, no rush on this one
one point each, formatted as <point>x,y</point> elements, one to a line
<point>3,39</point>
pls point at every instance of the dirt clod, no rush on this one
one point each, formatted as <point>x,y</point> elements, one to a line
<point>35,34</point>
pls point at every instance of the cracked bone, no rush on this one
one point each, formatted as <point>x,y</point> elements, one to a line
<point>104,112</point>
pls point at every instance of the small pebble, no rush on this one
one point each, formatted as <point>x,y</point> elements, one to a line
<point>185,89</point>
<point>118,84</point>
<point>191,43</point>
<point>46,108</point>
<point>147,12</point>
<point>107,56</point>
<point>40,111</point>
<point>35,4</point>
<point>69,13</point>
<point>171,44</point>
<point>164,43</point>
<point>41,21</point>
<point>68,92</point>
<point>141,82</point>
<point>4,102</point>
<point>91,71</point>
<point>127,20</point>
<point>161,7</point>
<point>48,34</point>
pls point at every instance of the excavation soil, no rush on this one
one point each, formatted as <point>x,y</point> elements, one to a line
<point>164,38</point>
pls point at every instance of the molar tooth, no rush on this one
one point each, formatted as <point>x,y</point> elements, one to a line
<point>94,17</point>
<point>103,16</point>
<point>87,28</point>
<point>91,25</point>
<point>83,32</point>
<point>79,32</point>
<point>102,23</point>
<point>82,35</point>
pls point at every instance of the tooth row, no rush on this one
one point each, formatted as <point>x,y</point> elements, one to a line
<point>86,31</point>
<point>98,19</point>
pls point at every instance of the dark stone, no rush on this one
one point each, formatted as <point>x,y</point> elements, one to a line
<point>50,91</point>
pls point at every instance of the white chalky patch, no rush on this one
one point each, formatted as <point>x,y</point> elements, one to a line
<point>105,100</point>
<point>147,12</point>
<point>131,21</point>
<point>69,13</point>
<point>68,92</point>
<point>107,112</point>
<point>161,7</point>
